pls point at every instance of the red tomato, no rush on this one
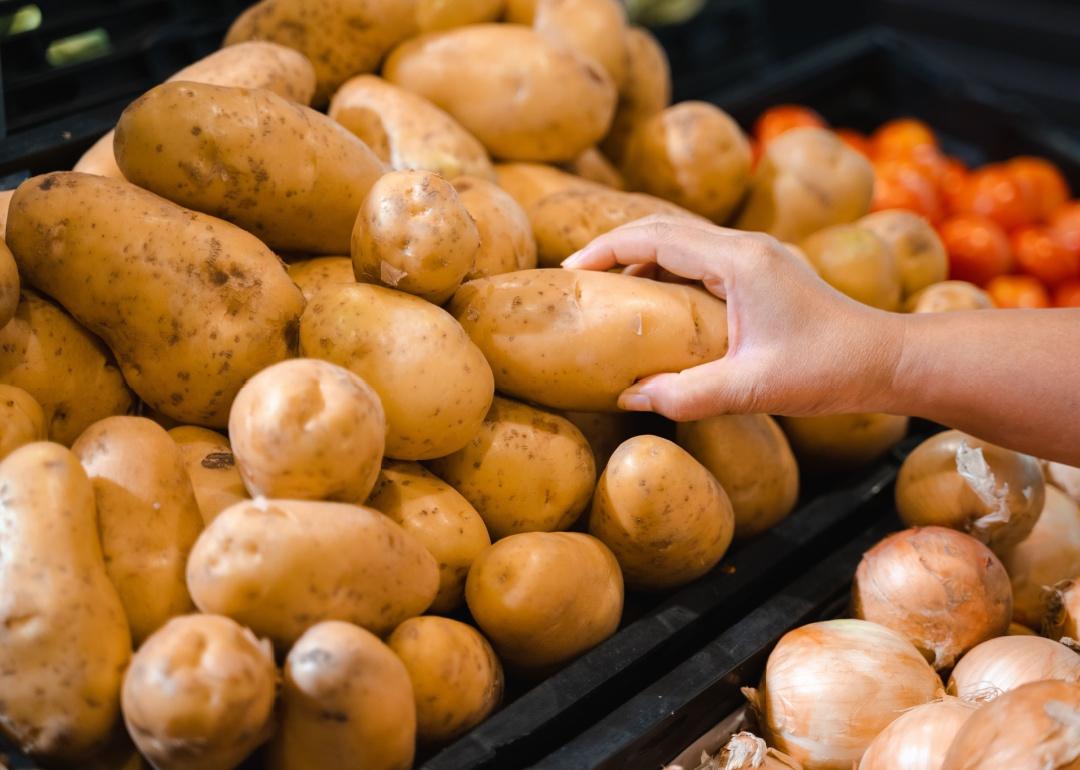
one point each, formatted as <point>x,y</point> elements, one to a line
<point>1042,187</point>
<point>951,183</point>
<point>901,184</point>
<point>1039,253</point>
<point>853,139</point>
<point>1018,291</point>
<point>901,136</point>
<point>1067,294</point>
<point>782,118</point>
<point>993,193</point>
<point>1066,225</point>
<point>978,249</point>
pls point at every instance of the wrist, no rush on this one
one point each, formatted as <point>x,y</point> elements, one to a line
<point>879,380</point>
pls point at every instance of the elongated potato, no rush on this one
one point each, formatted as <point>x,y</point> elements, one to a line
<point>838,442</point>
<point>526,470</point>
<point>313,275</point>
<point>506,239</point>
<point>191,306</point>
<point>915,244</point>
<point>434,383</point>
<point>65,640</point>
<point>456,678</point>
<point>406,130</point>
<point>278,566</point>
<point>9,285</point>
<point>21,419</point>
<point>527,183</point>
<point>211,466</point>
<point>200,694</point>
<point>445,14</point>
<point>439,517</point>
<point>563,102</point>
<point>347,704</point>
<point>858,263</point>
<point>594,28</point>
<point>536,609</point>
<point>575,340</point>
<point>948,296</point>
<point>594,166</point>
<point>645,91</point>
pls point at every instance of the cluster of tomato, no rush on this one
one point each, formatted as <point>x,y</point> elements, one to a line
<point>1008,227</point>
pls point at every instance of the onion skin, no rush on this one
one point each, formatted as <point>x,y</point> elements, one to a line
<point>1066,478</point>
<point>918,739</point>
<point>1063,611</point>
<point>1005,663</point>
<point>745,751</point>
<point>942,590</point>
<point>1034,727</point>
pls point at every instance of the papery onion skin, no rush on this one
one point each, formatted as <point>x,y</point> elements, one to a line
<point>745,751</point>
<point>1034,727</point>
<point>1063,611</point>
<point>829,689</point>
<point>1005,663</point>
<point>1066,478</point>
<point>918,739</point>
<point>942,590</point>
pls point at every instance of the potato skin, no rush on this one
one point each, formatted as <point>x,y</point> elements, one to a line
<point>211,466</point>
<point>313,275</point>
<point>858,263</point>
<point>527,183</point>
<point>594,28</point>
<point>445,14</point>
<point>604,431</point>
<point>915,244</point>
<point>563,103</point>
<point>536,609</point>
<point>948,296</point>
<point>572,339</point>
<point>347,703</point>
<point>64,642</point>
<point>457,680</point>
<point>506,239</point>
<point>200,327</point>
<point>21,420</point>
<point>9,285</point>
<point>308,430</point>
<point>594,166</point>
<point>5,202</point>
<point>838,442</point>
<point>645,92</point>
<point>439,517</point>
<point>434,383</point>
<point>199,694</point>
<point>526,470</point>
<point>278,566</point>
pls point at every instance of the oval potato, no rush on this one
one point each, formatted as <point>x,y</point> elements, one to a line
<point>9,285</point>
<point>22,420</point>
<point>506,239</point>
<point>445,14</point>
<point>858,263</point>
<point>595,167</point>
<point>527,183</point>
<point>838,442</point>
<point>211,466</point>
<point>948,296</point>
<point>645,91</point>
<point>314,275</point>
<point>594,28</point>
<point>915,244</point>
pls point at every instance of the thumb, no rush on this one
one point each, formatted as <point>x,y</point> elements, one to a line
<point>718,387</point>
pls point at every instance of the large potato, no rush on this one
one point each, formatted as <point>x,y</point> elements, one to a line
<point>595,29</point>
<point>948,296</point>
<point>506,239</point>
<point>314,275</point>
<point>543,598</point>
<point>575,340</point>
<point>199,694</point>
<point>838,442</point>
<point>692,154</point>
<point>280,170</point>
<point>191,306</point>
<point>406,130</point>
<point>604,431</point>
<point>439,517</point>
<point>562,103</point>
<point>22,420</point>
<point>211,466</point>
<point>645,91</point>
<point>445,14</point>
<point>527,183</point>
<point>147,516</point>
<point>526,470</point>
<point>806,180</point>
<point>434,383</point>
<point>749,456</point>
<point>915,244</point>
<point>456,678</point>
<point>347,704</point>
<point>594,166</point>
<point>308,430</point>
<point>64,641</point>
<point>858,263</point>
<point>9,285</point>
<point>278,566</point>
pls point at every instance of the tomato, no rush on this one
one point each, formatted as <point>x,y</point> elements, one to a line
<point>901,137</point>
<point>782,118</point>
<point>853,139</point>
<point>1042,187</point>
<point>1018,291</point>
<point>1040,253</point>
<point>993,193</point>
<point>1066,225</point>
<point>978,249</point>
<point>951,183</point>
<point>1067,294</point>
<point>901,184</point>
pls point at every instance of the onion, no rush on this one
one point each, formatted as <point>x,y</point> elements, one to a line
<point>1018,629</point>
<point>745,751</point>
<point>1063,611</point>
<point>1007,662</point>
<point>1034,727</point>
<point>1050,554</point>
<point>829,689</point>
<point>957,481</point>
<point>1064,477</point>
<point>941,589</point>
<point>918,739</point>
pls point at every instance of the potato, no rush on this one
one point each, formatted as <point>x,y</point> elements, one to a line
<point>407,131</point>
<point>593,166</point>
<point>147,516</point>
<point>119,754</point>
<point>543,598</point>
<point>948,296</point>
<point>434,383</point>
<point>278,566</point>
<point>314,275</point>
<point>342,38</point>
<point>572,339</point>
<point>520,11</point>
<point>191,306</point>
<point>456,679</point>
<point>65,640</point>
<point>914,243</point>
<point>347,704</point>
<point>211,466</point>
<point>100,160</point>
<point>595,29</point>
<point>308,430</point>
<point>645,91</point>
<point>527,183</point>
<point>525,471</point>
<point>692,154</point>
<point>604,431</point>
<point>858,263</point>
<point>506,239</point>
<point>664,516</point>
<point>838,442</point>
<point>9,285</point>
<point>444,14</point>
<point>200,694</point>
<point>21,419</point>
<point>5,202</point>
<point>806,180</point>
<point>415,235</point>
<point>440,518</point>
<point>282,171</point>
<point>749,456</point>
<point>562,102</point>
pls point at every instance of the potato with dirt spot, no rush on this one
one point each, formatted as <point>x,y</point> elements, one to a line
<point>858,263</point>
<point>506,239</point>
<point>192,307</point>
<point>915,244</point>
<point>839,442</point>
<point>9,285</point>
<point>314,275</point>
<point>527,183</point>
<point>64,640</point>
<point>211,466</point>
<point>593,28</point>
<point>645,91</point>
<point>595,167</point>
<point>21,419</point>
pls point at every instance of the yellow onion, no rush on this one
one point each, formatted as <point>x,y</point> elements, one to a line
<point>1034,727</point>
<point>745,751</point>
<point>1064,477</point>
<point>941,589</point>
<point>830,688</point>
<point>1063,611</point>
<point>1050,554</point>
<point>918,739</point>
<point>1007,662</point>
<point>958,481</point>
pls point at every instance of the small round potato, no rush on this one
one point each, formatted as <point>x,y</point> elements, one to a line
<point>838,442</point>
<point>664,516</point>
<point>306,429</point>
<point>645,91</point>
<point>506,238</point>
<point>21,419</point>
<point>199,694</point>
<point>543,598</point>
<point>211,466</point>
<point>858,263</point>
<point>414,234</point>
<point>9,285</point>
<point>439,517</point>
<point>914,243</point>
<point>456,678</point>
<point>314,275</point>
<point>948,296</point>
<point>526,470</point>
<point>593,28</point>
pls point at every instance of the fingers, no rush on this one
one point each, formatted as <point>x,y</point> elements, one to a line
<point>693,394</point>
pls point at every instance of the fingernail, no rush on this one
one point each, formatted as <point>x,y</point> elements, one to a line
<point>572,261</point>
<point>635,402</point>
